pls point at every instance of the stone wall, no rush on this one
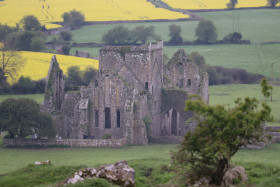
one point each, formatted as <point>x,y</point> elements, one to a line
<point>113,143</point>
<point>56,31</point>
<point>82,54</point>
<point>167,139</point>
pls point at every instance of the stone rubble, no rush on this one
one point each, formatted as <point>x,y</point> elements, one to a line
<point>47,162</point>
<point>119,173</point>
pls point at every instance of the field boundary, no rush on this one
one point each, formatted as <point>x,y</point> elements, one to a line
<point>112,143</point>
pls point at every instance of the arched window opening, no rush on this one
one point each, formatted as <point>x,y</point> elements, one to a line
<point>118,118</point>
<point>189,82</point>
<point>96,118</point>
<point>146,86</point>
<point>107,117</point>
<point>174,122</point>
<point>179,72</point>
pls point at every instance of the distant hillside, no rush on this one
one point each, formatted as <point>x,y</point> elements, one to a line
<point>11,11</point>
<point>37,64</point>
<point>212,4</point>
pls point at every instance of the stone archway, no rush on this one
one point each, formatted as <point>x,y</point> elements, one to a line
<point>174,122</point>
<point>173,116</point>
<point>179,73</point>
<point>170,123</point>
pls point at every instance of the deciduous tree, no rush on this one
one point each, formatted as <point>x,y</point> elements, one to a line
<point>272,3</point>
<point>10,63</point>
<point>175,34</point>
<point>30,23</point>
<point>73,18</point>
<point>142,33</point>
<point>206,32</point>
<point>266,89</point>
<point>22,117</point>
<point>119,35</point>
<point>232,3</point>
<point>220,132</point>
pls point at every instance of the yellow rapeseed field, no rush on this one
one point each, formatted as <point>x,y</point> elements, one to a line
<point>212,4</point>
<point>37,64</point>
<point>47,11</point>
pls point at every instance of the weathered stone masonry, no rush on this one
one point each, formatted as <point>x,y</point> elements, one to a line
<point>132,84</point>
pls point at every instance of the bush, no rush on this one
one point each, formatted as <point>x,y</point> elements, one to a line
<point>197,58</point>
<point>74,19</point>
<point>5,30</point>
<point>23,86</point>
<point>175,35</point>
<point>142,34</point>
<point>66,36</point>
<point>119,35</point>
<point>234,37</point>
<point>206,32</point>
<point>88,75</point>
<point>220,132</point>
<point>74,76</point>
<point>66,49</point>
<point>37,44</point>
<point>30,23</point>
<point>22,40</point>
<point>22,117</point>
<point>27,86</point>
<point>232,4</point>
<point>272,3</point>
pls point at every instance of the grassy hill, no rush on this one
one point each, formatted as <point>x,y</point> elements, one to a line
<point>47,11</point>
<point>256,25</point>
<point>213,4</point>
<point>37,64</point>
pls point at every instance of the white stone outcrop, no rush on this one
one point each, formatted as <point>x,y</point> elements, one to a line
<point>47,162</point>
<point>119,173</point>
<point>232,175</point>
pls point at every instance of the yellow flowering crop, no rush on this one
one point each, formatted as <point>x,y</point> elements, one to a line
<point>37,64</point>
<point>47,11</point>
<point>212,4</point>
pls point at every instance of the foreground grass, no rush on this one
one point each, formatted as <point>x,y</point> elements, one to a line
<point>150,163</point>
<point>33,175</point>
<point>13,159</point>
<point>262,166</point>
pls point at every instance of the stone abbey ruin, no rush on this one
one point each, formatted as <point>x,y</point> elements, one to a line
<point>134,96</point>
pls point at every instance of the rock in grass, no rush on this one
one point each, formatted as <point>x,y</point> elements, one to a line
<point>234,176</point>
<point>47,162</point>
<point>119,173</point>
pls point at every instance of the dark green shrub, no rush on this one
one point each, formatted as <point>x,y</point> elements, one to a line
<point>107,136</point>
<point>66,49</point>
<point>66,36</point>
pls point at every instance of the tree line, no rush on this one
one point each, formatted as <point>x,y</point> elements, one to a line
<point>205,32</point>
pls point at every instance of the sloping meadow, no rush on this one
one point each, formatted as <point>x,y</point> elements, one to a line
<point>48,11</point>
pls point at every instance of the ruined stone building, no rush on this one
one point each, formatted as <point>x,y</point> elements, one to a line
<point>134,96</point>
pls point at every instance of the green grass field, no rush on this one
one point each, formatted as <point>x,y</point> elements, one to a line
<point>252,58</point>
<point>255,25</point>
<point>226,94</point>
<point>37,97</point>
<point>12,159</point>
<point>263,166</point>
